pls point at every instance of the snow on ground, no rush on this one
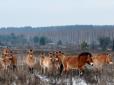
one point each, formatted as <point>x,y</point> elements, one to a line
<point>67,81</point>
<point>78,81</point>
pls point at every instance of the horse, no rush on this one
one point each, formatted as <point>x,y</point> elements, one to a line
<point>101,59</point>
<point>30,60</point>
<point>76,62</point>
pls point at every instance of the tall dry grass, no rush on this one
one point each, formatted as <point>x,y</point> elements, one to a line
<point>23,77</point>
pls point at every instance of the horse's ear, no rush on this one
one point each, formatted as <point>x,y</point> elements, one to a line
<point>56,52</point>
<point>53,54</point>
<point>11,51</point>
<point>30,50</point>
<point>62,53</point>
<point>50,53</point>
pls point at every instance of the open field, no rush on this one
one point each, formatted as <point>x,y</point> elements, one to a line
<point>23,77</point>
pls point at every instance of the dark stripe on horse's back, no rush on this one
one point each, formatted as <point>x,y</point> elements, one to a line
<point>85,54</point>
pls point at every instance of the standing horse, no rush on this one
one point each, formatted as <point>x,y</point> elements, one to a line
<point>5,63</point>
<point>59,58</point>
<point>30,60</point>
<point>6,58</point>
<point>101,59</point>
<point>76,62</point>
<point>5,52</point>
<point>46,62</point>
<point>13,59</point>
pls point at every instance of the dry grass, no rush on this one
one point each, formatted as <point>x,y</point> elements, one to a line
<point>23,77</point>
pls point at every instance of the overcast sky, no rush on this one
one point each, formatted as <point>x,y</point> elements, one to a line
<point>56,12</point>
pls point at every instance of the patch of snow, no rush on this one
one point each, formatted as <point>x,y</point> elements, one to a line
<point>43,78</point>
<point>78,81</point>
<point>67,81</point>
<point>14,83</point>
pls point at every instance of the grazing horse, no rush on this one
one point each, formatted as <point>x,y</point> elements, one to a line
<point>101,59</point>
<point>30,60</point>
<point>75,62</point>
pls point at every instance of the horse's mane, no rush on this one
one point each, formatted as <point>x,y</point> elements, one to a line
<point>85,54</point>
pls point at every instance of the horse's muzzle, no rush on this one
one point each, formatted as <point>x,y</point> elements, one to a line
<point>91,64</point>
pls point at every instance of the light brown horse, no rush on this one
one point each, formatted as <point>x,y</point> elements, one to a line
<point>101,59</point>
<point>5,63</point>
<point>46,62</point>
<point>5,52</point>
<point>30,60</point>
<point>8,59</point>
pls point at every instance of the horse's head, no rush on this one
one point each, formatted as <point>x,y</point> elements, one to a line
<point>89,60</point>
<point>109,59</point>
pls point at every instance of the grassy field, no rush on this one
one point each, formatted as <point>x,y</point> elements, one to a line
<point>23,77</point>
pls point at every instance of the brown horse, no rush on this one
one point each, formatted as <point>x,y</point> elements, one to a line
<point>75,62</point>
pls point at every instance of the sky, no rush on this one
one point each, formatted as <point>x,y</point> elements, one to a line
<point>41,13</point>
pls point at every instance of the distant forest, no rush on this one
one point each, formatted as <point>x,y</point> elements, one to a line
<point>72,34</point>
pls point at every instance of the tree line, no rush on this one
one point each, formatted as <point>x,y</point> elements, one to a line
<point>85,36</point>
<point>16,40</point>
<point>104,43</point>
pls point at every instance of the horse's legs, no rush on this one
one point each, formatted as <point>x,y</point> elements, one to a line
<point>65,69</point>
<point>31,69</point>
<point>14,67</point>
<point>81,71</point>
<point>44,69</point>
